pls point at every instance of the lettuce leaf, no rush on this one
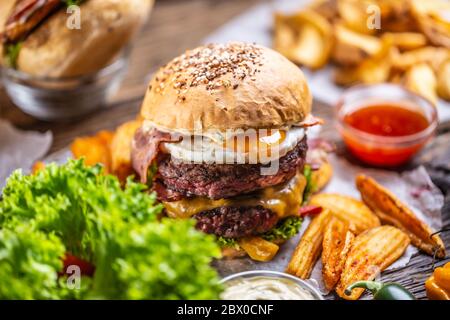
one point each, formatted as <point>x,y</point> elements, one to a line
<point>310,187</point>
<point>69,3</point>
<point>29,262</point>
<point>76,209</point>
<point>285,229</point>
<point>12,54</point>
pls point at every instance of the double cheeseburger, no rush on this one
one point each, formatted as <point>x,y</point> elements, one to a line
<point>51,38</point>
<point>209,115</point>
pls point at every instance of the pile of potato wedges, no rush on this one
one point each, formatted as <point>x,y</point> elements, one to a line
<point>356,240</point>
<point>372,41</point>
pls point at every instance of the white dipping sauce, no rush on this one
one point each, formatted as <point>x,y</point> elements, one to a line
<point>265,288</point>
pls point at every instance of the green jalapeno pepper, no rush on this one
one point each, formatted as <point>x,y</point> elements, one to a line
<point>382,291</point>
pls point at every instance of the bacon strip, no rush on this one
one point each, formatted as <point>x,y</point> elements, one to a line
<point>25,16</point>
<point>310,121</point>
<point>145,148</point>
<point>309,210</point>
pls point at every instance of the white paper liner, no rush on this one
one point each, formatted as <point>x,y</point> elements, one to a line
<point>20,149</point>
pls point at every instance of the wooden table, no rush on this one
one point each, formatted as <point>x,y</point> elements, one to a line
<point>176,25</point>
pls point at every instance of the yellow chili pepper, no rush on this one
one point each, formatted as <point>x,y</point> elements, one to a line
<point>438,285</point>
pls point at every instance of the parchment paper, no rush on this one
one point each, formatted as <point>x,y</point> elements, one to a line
<point>413,187</point>
<point>20,149</point>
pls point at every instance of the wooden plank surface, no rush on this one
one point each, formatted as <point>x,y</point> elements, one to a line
<point>176,25</point>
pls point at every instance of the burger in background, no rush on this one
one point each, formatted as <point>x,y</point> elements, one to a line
<point>224,142</point>
<point>36,38</point>
<point>62,59</point>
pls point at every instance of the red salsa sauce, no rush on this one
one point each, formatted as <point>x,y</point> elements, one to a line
<point>387,120</point>
<point>384,121</point>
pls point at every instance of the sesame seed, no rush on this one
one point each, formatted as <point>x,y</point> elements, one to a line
<point>207,64</point>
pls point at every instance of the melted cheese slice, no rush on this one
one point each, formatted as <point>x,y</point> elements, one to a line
<point>284,200</point>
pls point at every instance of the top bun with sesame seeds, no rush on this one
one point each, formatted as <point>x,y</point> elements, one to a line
<point>227,86</point>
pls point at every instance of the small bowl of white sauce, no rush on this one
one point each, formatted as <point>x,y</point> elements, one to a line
<point>267,285</point>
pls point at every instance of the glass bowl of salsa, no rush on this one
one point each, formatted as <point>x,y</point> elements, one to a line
<point>385,124</point>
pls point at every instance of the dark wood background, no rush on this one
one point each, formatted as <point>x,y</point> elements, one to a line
<point>176,25</point>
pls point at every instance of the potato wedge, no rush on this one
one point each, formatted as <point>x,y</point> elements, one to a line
<point>309,247</point>
<point>354,14</point>
<point>326,8</point>
<point>94,149</point>
<point>431,55</point>
<point>408,40</point>
<point>392,211</point>
<point>374,69</point>
<point>351,48</point>
<point>432,18</point>
<point>121,149</point>
<point>304,38</point>
<point>37,166</point>
<point>358,216</point>
<point>259,249</point>
<point>337,241</point>
<point>422,80</point>
<point>321,177</point>
<point>372,252</point>
<point>443,81</point>
<point>396,16</point>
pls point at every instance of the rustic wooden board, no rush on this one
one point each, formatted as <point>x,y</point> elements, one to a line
<point>176,25</point>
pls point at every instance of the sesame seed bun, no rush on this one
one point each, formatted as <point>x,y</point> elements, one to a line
<point>232,86</point>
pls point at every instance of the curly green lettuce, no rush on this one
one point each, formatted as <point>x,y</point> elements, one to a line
<point>69,3</point>
<point>284,230</point>
<point>310,187</point>
<point>11,54</point>
<point>76,209</point>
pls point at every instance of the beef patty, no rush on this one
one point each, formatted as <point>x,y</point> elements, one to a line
<point>236,222</point>
<point>176,180</point>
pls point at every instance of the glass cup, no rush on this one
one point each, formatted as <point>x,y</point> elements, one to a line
<point>379,150</point>
<point>64,98</point>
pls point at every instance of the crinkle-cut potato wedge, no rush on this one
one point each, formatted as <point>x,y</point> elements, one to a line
<point>433,21</point>
<point>408,40</point>
<point>392,211</point>
<point>304,38</point>
<point>309,247</point>
<point>259,249</point>
<point>443,81</point>
<point>121,149</point>
<point>337,242</point>
<point>94,149</point>
<point>422,80</point>
<point>322,176</point>
<point>351,48</point>
<point>433,56</point>
<point>358,216</point>
<point>372,252</point>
